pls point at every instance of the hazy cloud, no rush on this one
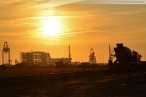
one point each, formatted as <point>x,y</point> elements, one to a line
<point>92,25</point>
<point>39,2</point>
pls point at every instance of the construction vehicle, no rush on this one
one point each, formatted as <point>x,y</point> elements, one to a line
<point>126,60</point>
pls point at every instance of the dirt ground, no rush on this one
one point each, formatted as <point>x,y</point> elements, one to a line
<point>78,84</point>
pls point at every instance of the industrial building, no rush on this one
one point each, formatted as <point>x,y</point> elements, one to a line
<point>36,58</point>
<point>39,58</point>
<point>62,60</point>
<point>65,61</point>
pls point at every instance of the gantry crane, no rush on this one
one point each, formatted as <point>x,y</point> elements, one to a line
<point>6,54</point>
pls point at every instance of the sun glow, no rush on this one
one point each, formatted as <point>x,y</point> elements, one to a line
<point>51,27</point>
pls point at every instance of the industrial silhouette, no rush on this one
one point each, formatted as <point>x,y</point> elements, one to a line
<point>120,59</point>
<point>126,60</point>
<point>6,55</point>
<point>35,58</point>
<point>39,58</point>
<point>92,57</point>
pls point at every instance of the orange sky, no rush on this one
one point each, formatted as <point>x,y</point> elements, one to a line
<point>82,26</point>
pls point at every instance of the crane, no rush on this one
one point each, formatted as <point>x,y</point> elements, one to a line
<point>92,57</point>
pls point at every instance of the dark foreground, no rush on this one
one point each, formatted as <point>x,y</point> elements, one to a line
<point>83,84</point>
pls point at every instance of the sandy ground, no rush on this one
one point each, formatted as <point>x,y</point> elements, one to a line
<point>83,84</point>
<point>24,71</point>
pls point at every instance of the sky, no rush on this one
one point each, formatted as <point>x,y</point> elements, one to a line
<point>27,25</point>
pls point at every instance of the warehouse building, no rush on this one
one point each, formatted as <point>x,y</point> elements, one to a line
<point>36,58</point>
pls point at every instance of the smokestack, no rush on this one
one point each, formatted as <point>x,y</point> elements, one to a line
<point>69,52</point>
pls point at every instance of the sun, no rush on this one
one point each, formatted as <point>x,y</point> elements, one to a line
<point>51,27</point>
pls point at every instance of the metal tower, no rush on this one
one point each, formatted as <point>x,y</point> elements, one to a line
<point>69,52</point>
<point>92,57</point>
<point>111,54</point>
<point>6,54</point>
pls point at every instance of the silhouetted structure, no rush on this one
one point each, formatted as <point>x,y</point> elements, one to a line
<point>126,60</point>
<point>110,55</point>
<point>6,55</point>
<point>69,52</point>
<point>36,58</point>
<point>92,58</point>
<point>62,61</point>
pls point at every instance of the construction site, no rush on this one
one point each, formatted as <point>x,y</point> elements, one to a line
<point>39,75</point>
<point>41,58</point>
<point>35,58</point>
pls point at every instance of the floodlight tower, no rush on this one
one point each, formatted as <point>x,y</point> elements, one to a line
<point>6,54</point>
